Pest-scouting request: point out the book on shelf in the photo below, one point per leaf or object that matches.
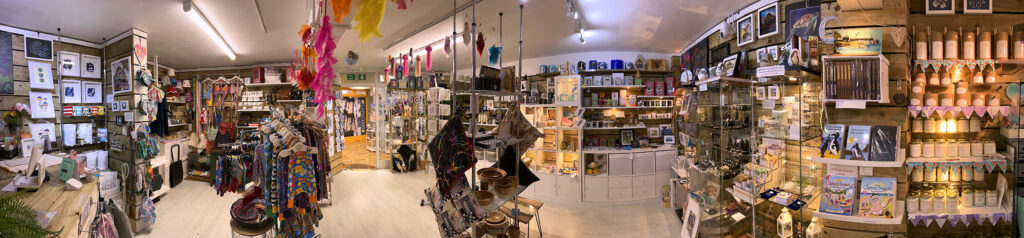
(832, 141)
(858, 143)
(884, 143)
(877, 196)
(838, 195)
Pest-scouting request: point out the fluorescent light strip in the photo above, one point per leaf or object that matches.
(205, 25)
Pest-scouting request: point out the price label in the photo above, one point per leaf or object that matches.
(768, 104)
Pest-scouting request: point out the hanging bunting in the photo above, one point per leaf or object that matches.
(480, 43)
(972, 218)
(955, 219)
(324, 80)
(368, 19)
(428, 49)
(495, 52)
(341, 9)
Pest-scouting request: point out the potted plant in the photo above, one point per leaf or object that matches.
(13, 118)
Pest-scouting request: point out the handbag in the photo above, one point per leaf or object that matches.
(177, 169)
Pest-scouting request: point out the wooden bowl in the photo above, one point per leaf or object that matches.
(495, 223)
(506, 186)
(490, 173)
(484, 197)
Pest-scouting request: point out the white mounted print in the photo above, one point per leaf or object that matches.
(92, 92)
(90, 66)
(41, 104)
(71, 91)
(40, 75)
(978, 6)
(39, 130)
(69, 64)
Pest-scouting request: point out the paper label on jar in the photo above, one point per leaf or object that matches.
(951, 49)
(985, 50)
(922, 50)
(1018, 49)
(915, 102)
(1001, 48)
(931, 102)
(936, 50)
(968, 50)
(921, 89)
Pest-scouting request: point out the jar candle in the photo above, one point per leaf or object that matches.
(979, 173)
(926, 201)
(952, 43)
(990, 77)
(951, 201)
(990, 147)
(945, 79)
(966, 173)
(939, 200)
(933, 79)
(916, 175)
(1003, 45)
(951, 127)
(979, 197)
(993, 100)
(929, 174)
(946, 100)
(928, 148)
(921, 45)
(930, 125)
(967, 197)
(917, 125)
(1018, 45)
(977, 148)
(920, 77)
(942, 174)
(931, 100)
(937, 45)
(968, 44)
(915, 148)
(941, 124)
(913, 201)
(952, 148)
(991, 198)
(961, 89)
(963, 125)
(978, 78)
(965, 148)
(917, 93)
(985, 45)
(954, 173)
(977, 99)
(975, 124)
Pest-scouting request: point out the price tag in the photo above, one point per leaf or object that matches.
(794, 132)
(768, 104)
(702, 87)
(867, 171)
(851, 104)
(841, 170)
(771, 71)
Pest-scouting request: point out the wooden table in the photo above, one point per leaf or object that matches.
(528, 208)
(67, 204)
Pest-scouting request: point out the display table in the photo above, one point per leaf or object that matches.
(528, 208)
(67, 204)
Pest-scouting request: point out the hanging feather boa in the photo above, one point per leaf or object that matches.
(428, 57)
(341, 9)
(368, 19)
(405, 65)
(321, 85)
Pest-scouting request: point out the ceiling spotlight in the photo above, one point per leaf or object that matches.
(575, 15)
(583, 41)
(197, 16)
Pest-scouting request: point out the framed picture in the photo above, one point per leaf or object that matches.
(978, 6)
(729, 65)
(860, 41)
(745, 30)
(121, 75)
(669, 140)
(626, 137)
(92, 92)
(41, 104)
(759, 93)
(768, 20)
(39, 130)
(69, 64)
(691, 219)
(807, 19)
(653, 132)
(26, 146)
(666, 129)
(38, 49)
(939, 7)
(124, 105)
(40, 75)
(90, 66)
(773, 92)
(71, 91)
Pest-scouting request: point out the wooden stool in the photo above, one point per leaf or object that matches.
(238, 231)
(528, 209)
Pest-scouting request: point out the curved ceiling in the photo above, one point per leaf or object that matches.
(661, 26)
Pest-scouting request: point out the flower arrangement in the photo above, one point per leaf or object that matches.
(19, 110)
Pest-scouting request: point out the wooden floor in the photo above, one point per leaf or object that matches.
(354, 156)
(378, 203)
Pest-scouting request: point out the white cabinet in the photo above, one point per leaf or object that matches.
(620, 194)
(569, 188)
(643, 163)
(620, 182)
(665, 160)
(643, 187)
(595, 189)
(620, 164)
(547, 186)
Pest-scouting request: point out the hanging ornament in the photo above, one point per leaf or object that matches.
(341, 9)
(391, 60)
(352, 58)
(321, 85)
(466, 37)
(368, 19)
(480, 43)
(417, 66)
(405, 65)
(447, 46)
(401, 4)
(428, 49)
(495, 52)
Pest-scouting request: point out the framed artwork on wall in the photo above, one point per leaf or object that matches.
(745, 30)
(717, 54)
(121, 75)
(768, 20)
(773, 92)
(92, 92)
(978, 6)
(939, 7)
(40, 75)
(6, 63)
(39, 130)
(90, 66)
(759, 93)
(69, 64)
(653, 132)
(41, 104)
(38, 49)
(71, 91)
(626, 137)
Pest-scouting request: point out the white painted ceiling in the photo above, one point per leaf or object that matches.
(663, 26)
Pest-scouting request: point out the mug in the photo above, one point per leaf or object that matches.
(543, 68)
(581, 66)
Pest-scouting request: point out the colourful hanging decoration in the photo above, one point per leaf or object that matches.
(405, 65)
(368, 19)
(341, 9)
(321, 85)
(480, 43)
(428, 49)
(495, 52)
(466, 37)
(400, 4)
(417, 66)
(447, 46)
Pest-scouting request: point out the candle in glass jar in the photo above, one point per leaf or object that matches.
(930, 125)
(926, 201)
(952, 43)
(979, 173)
(964, 149)
(977, 148)
(1003, 45)
(990, 77)
(990, 147)
(962, 125)
(917, 174)
(952, 148)
(954, 173)
(951, 126)
(978, 78)
(945, 79)
(951, 200)
(921, 45)
(967, 197)
(942, 174)
(939, 201)
(979, 197)
(961, 88)
(937, 45)
(933, 79)
(929, 173)
(977, 99)
(941, 148)
(985, 45)
(915, 148)
(1018, 45)
(946, 100)
(975, 124)
(917, 125)
(963, 100)
(917, 93)
(992, 99)
(966, 173)
(968, 48)
(931, 99)
(940, 127)
(991, 198)
(928, 148)
(913, 201)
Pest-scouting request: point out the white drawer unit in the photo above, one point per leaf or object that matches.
(547, 186)
(595, 189)
(569, 189)
(620, 194)
(620, 182)
(643, 187)
(620, 165)
(665, 160)
(643, 163)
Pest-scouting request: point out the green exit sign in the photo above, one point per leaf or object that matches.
(353, 77)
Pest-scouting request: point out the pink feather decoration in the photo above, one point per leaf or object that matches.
(428, 57)
(405, 65)
(321, 86)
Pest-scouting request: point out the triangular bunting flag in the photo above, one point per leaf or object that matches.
(954, 219)
(999, 217)
(913, 112)
(971, 218)
(915, 220)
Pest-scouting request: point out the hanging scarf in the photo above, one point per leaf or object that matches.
(428, 56)
(368, 19)
(480, 43)
(321, 85)
(495, 52)
(447, 46)
(341, 9)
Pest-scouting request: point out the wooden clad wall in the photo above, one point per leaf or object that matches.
(113, 52)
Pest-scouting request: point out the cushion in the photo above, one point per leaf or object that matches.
(509, 161)
(457, 211)
(452, 154)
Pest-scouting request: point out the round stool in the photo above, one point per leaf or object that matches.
(237, 230)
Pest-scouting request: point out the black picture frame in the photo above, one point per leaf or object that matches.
(38, 49)
(718, 54)
(626, 137)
